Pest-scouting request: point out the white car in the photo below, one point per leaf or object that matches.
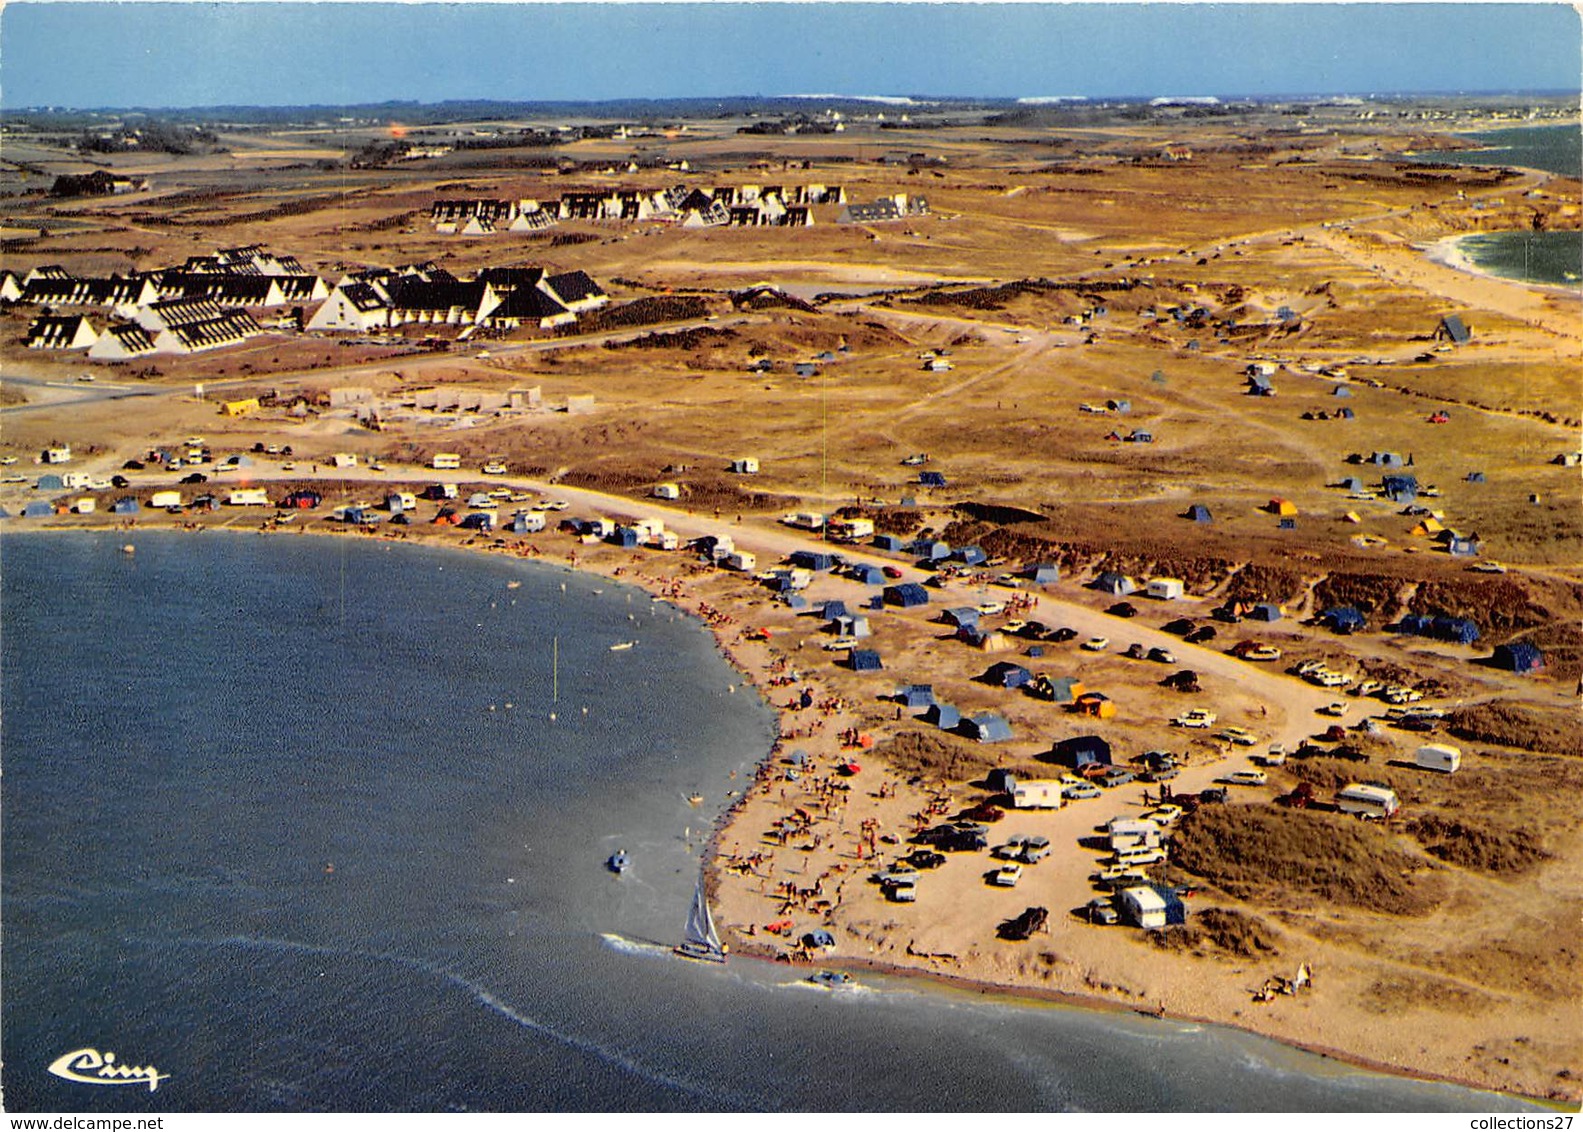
(494, 468)
(1237, 735)
(1490, 567)
(1247, 778)
(1337, 709)
(1309, 666)
(1196, 717)
(1275, 756)
(1080, 791)
(839, 643)
(1097, 644)
(1008, 875)
(1165, 814)
(989, 608)
(1329, 679)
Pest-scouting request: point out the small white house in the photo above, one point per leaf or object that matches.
(1037, 796)
(527, 522)
(87, 505)
(741, 560)
(1133, 833)
(59, 455)
(851, 530)
(344, 460)
(1165, 589)
(1439, 756)
(746, 466)
(1367, 801)
(446, 461)
(667, 491)
(399, 501)
(165, 499)
(664, 540)
(805, 520)
(1141, 906)
(73, 480)
(248, 497)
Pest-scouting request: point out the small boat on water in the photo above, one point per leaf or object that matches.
(832, 980)
(699, 938)
(622, 646)
(619, 862)
(513, 585)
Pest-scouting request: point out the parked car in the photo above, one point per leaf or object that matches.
(194, 477)
(1162, 656)
(1062, 635)
(1164, 814)
(1163, 774)
(1097, 644)
(1081, 791)
(984, 812)
(1200, 635)
(990, 608)
(1134, 651)
(1240, 736)
(1196, 717)
(1123, 609)
(1247, 778)
(1275, 756)
(1116, 776)
(925, 859)
(1336, 708)
(1102, 911)
(494, 468)
(890, 572)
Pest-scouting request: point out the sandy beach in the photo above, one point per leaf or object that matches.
(800, 843)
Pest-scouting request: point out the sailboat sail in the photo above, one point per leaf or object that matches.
(700, 940)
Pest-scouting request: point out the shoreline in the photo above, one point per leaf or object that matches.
(1447, 252)
(728, 628)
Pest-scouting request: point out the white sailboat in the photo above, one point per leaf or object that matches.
(700, 940)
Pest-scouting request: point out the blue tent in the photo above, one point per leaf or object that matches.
(1475, 477)
(1287, 524)
(1352, 484)
(1000, 780)
(864, 660)
(1036, 651)
(1341, 391)
(1198, 513)
(1342, 619)
(819, 937)
(1175, 911)
(1260, 386)
(1265, 611)
(4, 514)
(1452, 327)
(962, 617)
(1082, 750)
(1119, 406)
(1007, 675)
(943, 716)
(624, 537)
(38, 509)
(1462, 547)
(49, 481)
(931, 479)
(794, 601)
(1385, 459)
(890, 542)
(126, 505)
(1458, 630)
(477, 521)
(988, 728)
(1518, 656)
(1117, 585)
(868, 575)
(916, 695)
(830, 610)
(1044, 573)
(813, 560)
(852, 626)
(930, 548)
(1400, 489)
(1345, 414)
(970, 555)
(906, 595)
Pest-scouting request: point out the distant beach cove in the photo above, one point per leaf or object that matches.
(1552, 259)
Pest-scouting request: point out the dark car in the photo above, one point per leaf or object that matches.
(1180, 627)
(1062, 634)
(1201, 634)
(964, 841)
(194, 477)
(1116, 776)
(984, 812)
(925, 859)
(132, 466)
(1161, 656)
(119, 481)
(1134, 652)
(1123, 609)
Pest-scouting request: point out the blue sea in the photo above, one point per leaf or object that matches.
(289, 819)
(1555, 258)
(1555, 149)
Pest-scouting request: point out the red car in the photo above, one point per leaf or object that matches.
(891, 572)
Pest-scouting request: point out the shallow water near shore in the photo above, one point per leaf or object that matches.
(263, 831)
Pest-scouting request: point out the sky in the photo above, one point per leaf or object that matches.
(130, 53)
